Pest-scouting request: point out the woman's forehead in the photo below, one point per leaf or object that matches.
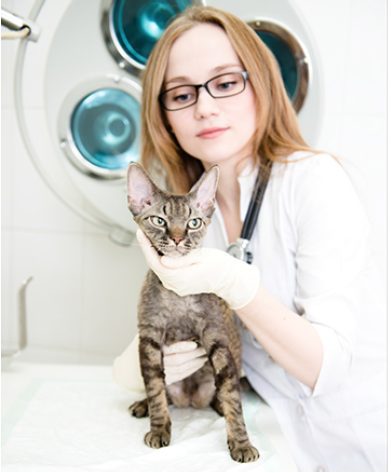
(204, 49)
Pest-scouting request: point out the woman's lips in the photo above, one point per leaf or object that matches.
(209, 133)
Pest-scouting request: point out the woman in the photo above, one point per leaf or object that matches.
(312, 337)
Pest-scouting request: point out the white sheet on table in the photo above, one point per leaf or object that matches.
(84, 426)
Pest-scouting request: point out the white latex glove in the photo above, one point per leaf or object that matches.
(204, 270)
(180, 360)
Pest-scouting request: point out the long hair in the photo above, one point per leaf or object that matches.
(277, 134)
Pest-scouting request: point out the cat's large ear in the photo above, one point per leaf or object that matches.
(141, 190)
(204, 190)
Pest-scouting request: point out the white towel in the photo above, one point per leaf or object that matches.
(126, 369)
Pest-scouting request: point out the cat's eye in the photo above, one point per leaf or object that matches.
(194, 223)
(157, 221)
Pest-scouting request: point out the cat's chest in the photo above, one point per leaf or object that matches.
(181, 317)
(179, 307)
(184, 317)
(168, 302)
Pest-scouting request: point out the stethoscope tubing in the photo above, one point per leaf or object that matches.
(255, 204)
(239, 249)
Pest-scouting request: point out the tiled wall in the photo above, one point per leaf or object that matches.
(85, 288)
(83, 297)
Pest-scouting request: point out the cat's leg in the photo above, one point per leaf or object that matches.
(151, 362)
(216, 405)
(228, 397)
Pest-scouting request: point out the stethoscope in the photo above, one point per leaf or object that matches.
(240, 249)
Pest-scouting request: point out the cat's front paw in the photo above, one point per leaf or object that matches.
(243, 454)
(139, 408)
(157, 439)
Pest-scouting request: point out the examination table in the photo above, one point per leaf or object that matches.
(70, 417)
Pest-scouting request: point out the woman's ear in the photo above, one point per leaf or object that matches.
(142, 191)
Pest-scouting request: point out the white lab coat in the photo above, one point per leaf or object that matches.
(311, 245)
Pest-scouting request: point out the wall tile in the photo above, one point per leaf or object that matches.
(363, 143)
(366, 59)
(54, 296)
(112, 279)
(9, 333)
(35, 206)
(36, 57)
(8, 51)
(329, 138)
(7, 167)
(330, 34)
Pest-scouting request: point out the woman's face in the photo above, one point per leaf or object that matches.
(213, 130)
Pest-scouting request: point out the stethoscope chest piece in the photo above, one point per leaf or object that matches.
(239, 250)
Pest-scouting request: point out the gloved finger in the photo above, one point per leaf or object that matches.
(172, 375)
(179, 347)
(151, 255)
(191, 366)
(193, 257)
(178, 359)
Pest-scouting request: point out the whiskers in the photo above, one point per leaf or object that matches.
(162, 247)
(171, 248)
(166, 246)
(188, 246)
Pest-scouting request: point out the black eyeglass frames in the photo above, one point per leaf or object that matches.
(219, 87)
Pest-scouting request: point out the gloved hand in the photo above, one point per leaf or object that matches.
(204, 270)
(180, 360)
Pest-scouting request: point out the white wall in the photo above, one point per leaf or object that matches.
(83, 296)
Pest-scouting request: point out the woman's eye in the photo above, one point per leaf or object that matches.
(158, 221)
(194, 223)
(183, 98)
(226, 85)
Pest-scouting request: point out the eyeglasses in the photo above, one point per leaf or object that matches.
(218, 87)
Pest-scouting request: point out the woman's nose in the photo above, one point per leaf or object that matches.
(206, 105)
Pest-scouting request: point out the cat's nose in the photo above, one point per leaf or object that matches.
(177, 238)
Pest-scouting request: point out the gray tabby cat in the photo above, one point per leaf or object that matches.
(175, 225)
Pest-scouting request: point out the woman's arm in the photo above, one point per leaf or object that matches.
(290, 340)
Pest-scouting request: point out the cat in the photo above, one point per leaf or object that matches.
(175, 225)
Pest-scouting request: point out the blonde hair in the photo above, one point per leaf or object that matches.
(277, 134)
